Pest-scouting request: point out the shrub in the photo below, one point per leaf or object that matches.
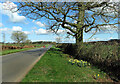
(104, 55)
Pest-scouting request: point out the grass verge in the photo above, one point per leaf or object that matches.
(54, 67)
(9, 51)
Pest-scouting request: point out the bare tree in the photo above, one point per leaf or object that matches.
(19, 36)
(73, 16)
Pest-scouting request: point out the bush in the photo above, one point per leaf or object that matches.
(68, 48)
(104, 55)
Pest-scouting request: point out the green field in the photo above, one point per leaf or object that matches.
(55, 67)
(8, 51)
(14, 51)
(23, 44)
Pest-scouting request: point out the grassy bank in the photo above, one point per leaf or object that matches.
(54, 66)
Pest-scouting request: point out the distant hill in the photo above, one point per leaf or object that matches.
(45, 42)
(111, 41)
(117, 40)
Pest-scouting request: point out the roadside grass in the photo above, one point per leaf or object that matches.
(14, 51)
(54, 67)
(23, 44)
(9, 51)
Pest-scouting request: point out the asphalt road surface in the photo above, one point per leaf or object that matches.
(14, 65)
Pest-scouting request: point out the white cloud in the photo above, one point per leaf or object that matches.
(14, 28)
(33, 21)
(111, 38)
(34, 28)
(16, 18)
(17, 28)
(61, 31)
(32, 31)
(26, 32)
(40, 24)
(66, 25)
(44, 31)
(8, 9)
(41, 31)
(1, 25)
(105, 29)
(109, 10)
(4, 29)
(109, 29)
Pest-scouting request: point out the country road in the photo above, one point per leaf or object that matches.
(15, 65)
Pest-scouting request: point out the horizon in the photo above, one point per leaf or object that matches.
(67, 42)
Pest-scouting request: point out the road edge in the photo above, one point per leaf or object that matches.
(29, 68)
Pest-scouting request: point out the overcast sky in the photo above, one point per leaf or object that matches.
(36, 30)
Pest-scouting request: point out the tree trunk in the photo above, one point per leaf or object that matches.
(79, 44)
(79, 35)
